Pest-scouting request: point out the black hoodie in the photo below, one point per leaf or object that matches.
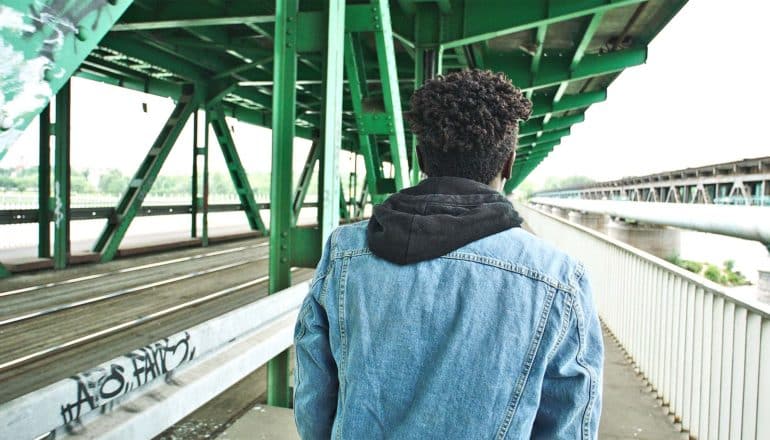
(436, 217)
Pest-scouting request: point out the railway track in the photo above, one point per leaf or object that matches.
(52, 330)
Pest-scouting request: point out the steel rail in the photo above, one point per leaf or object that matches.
(123, 292)
(129, 324)
(131, 269)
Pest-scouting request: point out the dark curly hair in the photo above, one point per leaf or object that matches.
(466, 123)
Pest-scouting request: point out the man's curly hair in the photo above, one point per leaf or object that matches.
(466, 123)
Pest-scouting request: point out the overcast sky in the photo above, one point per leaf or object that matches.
(701, 98)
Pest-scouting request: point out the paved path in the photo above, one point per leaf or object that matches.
(630, 411)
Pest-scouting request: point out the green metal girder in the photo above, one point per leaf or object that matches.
(61, 214)
(304, 180)
(115, 229)
(331, 133)
(306, 246)
(527, 142)
(284, 115)
(44, 185)
(56, 48)
(479, 21)
(4, 273)
(533, 126)
(357, 85)
(553, 72)
(175, 14)
(386, 55)
(544, 106)
(235, 168)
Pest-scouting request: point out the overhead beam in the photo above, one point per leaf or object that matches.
(494, 18)
(531, 126)
(544, 106)
(166, 15)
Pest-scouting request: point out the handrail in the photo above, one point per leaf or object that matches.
(703, 350)
(163, 381)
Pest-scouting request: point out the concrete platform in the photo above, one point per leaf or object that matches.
(630, 410)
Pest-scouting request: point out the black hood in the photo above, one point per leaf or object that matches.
(436, 217)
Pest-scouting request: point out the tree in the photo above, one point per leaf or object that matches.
(112, 182)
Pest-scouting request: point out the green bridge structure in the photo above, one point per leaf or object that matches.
(340, 74)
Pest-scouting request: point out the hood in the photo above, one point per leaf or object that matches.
(436, 217)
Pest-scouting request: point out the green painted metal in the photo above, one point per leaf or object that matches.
(204, 199)
(482, 21)
(331, 133)
(46, 41)
(383, 35)
(235, 168)
(4, 272)
(184, 14)
(355, 72)
(194, 204)
(284, 114)
(545, 105)
(304, 181)
(306, 246)
(44, 185)
(61, 215)
(533, 126)
(145, 176)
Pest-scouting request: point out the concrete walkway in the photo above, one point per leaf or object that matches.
(630, 411)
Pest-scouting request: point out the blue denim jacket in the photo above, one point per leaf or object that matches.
(497, 339)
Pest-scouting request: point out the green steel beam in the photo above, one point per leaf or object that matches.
(331, 132)
(480, 21)
(532, 126)
(544, 106)
(46, 58)
(538, 55)
(577, 57)
(61, 239)
(194, 190)
(4, 273)
(386, 55)
(357, 84)
(235, 168)
(284, 115)
(304, 181)
(44, 185)
(183, 14)
(554, 73)
(145, 176)
(530, 140)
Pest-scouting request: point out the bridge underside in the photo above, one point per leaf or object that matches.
(339, 73)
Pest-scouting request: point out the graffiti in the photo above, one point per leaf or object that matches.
(99, 386)
(30, 42)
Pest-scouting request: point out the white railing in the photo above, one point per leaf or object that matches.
(703, 350)
(140, 394)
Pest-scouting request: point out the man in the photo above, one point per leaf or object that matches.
(441, 317)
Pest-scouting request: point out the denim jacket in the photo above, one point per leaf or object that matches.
(496, 339)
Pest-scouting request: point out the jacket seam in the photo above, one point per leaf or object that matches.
(592, 384)
(565, 320)
(488, 261)
(343, 340)
(529, 362)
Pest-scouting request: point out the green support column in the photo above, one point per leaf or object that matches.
(61, 244)
(304, 182)
(44, 186)
(332, 117)
(355, 72)
(284, 115)
(427, 35)
(145, 176)
(386, 55)
(194, 181)
(235, 168)
(204, 200)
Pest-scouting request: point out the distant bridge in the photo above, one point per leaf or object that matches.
(744, 182)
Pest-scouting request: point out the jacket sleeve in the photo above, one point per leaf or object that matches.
(315, 371)
(570, 403)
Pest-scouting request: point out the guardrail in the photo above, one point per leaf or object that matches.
(705, 352)
(140, 394)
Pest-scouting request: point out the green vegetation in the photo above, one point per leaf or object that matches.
(726, 275)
